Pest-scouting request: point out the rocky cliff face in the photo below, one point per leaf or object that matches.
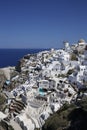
(2, 79)
(20, 64)
(6, 74)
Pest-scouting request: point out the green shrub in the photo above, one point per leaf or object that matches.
(74, 57)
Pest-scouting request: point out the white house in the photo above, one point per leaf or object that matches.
(43, 84)
(63, 55)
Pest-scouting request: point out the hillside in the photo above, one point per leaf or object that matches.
(69, 117)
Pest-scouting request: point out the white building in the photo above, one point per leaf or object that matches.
(43, 84)
(67, 46)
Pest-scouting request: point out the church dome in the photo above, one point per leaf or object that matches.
(81, 41)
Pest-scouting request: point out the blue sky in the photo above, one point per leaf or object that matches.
(42, 23)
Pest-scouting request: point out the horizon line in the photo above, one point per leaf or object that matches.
(29, 48)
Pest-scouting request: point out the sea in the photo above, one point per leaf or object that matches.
(10, 57)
